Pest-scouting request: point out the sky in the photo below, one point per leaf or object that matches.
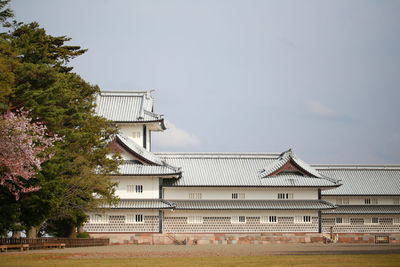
(320, 77)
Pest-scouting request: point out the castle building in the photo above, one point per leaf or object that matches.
(236, 197)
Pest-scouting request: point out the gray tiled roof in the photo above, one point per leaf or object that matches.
(289, 180)
(132, 168)
(250, 204)
(140, 204)
(139, 150)
(232, 169)
(363, 180)
(126, 106)
(365, 209)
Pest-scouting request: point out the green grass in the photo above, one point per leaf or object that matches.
(279, 260)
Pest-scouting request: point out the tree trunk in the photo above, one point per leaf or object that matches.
(16, 234)
(32, 232)
(73, 233)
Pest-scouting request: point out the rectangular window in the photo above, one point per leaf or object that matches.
(238, 195)
(238, 219)
(342, 221)
(345, 201)
(134, 218)
(396, 220)
(138, 218)
(285, 195)
(367, 201)
(139, 188)
(130, 188)
(302, 219)
(268, 219)
(374, 201)
(136, 135)
(195, 196)
(370, 220)
(396, 201)
(195, 219)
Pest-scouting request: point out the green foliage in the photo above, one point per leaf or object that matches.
(35, 74)
(83, 235)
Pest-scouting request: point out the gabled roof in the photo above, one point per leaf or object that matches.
(138, 151)
(288, 157)
(234, 170)
(127, 107)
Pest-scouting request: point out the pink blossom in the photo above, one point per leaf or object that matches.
(23, 147)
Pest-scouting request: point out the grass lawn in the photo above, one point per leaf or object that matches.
(279, 260)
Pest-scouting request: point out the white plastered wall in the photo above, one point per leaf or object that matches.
(360, 200)
(150, 186)
(250, 193)
(248, 213)
(131, 130)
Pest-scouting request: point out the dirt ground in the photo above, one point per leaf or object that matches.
(128, 251)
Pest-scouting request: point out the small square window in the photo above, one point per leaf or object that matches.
(307, 219)
(234, 195)
(339, 220)
(375, 220)
(367, 201)
(242, 219)
(139, 188)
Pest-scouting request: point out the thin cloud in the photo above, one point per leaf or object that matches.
(175, 137)
(320, 110)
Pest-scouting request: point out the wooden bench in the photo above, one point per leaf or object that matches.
(54, 245)
(4, 248)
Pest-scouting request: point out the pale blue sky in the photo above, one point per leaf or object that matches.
(321, 77)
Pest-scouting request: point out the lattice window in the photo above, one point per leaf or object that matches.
(238, 219)
(342, 221)
(136, 134)
(396, 201)
(371, 201)
(138, 218)
(302, 219)
(195, 196)
(373, 220)
(134, 218)
(139, 188)
(268, 219)
(344, 201)
(396, 220)
(98, 218)
(195, 219)
(285, 195)
(130, 188)
(238, 195)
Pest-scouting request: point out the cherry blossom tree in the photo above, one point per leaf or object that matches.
(23, 148)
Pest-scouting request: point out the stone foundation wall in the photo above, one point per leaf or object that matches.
(394, 238)
(205, 239)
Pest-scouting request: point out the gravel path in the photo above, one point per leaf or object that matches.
(127, 251)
